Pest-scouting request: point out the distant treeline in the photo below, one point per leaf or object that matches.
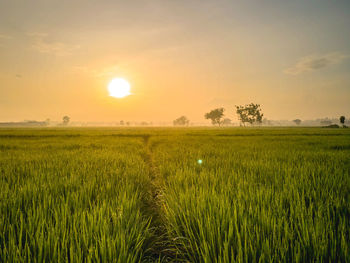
(24, 124)
(181, 121)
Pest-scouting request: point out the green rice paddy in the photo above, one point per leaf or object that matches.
(175, 195)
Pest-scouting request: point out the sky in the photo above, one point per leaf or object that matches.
(182, 57)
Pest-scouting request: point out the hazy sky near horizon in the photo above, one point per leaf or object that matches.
(181, 57)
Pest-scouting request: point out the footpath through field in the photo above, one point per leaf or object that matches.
(163, 248)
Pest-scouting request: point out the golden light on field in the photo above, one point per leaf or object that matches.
(119, 88)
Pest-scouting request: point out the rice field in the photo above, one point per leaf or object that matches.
(175, 195)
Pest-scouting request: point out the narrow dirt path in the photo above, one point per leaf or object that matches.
(162, 250)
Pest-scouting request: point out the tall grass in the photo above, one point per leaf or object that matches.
(259, 195)
(74, 199)
(255, 198)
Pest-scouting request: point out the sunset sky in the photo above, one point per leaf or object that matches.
(181, 57)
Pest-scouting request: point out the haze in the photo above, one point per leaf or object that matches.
(181, 58)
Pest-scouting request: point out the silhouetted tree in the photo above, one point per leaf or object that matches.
(215, 116)
(66, 120)
(121, 122)
(250, 113)
(181, 121)
(297, 121)
(342, 120)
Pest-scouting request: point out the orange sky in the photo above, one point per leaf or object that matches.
(180, 57)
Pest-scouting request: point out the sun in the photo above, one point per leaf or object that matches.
(119, 88)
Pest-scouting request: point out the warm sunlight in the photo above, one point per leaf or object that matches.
(119, 88)
(148, 106)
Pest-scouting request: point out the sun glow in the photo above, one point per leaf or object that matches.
(119, 88)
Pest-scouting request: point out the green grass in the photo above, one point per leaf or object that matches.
(139, 195)
(72, 198)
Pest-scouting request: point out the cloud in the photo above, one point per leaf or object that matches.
(313, 62)
(42, 43)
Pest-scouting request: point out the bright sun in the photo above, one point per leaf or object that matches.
(119, 88)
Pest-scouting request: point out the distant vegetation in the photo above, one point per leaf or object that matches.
(181, 121)
(297, 121)
(250, 113)
(29, 123)
(66, 120)
(216, 116)
(332, 126)
(342, 121)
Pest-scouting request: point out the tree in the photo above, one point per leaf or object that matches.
(66, 120)
(250, 113)
(215, 116)
(121, 123)
(297, 121)
(181, 121)
(342, 120)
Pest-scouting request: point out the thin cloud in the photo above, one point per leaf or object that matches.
(42, 43)
(313, 63)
